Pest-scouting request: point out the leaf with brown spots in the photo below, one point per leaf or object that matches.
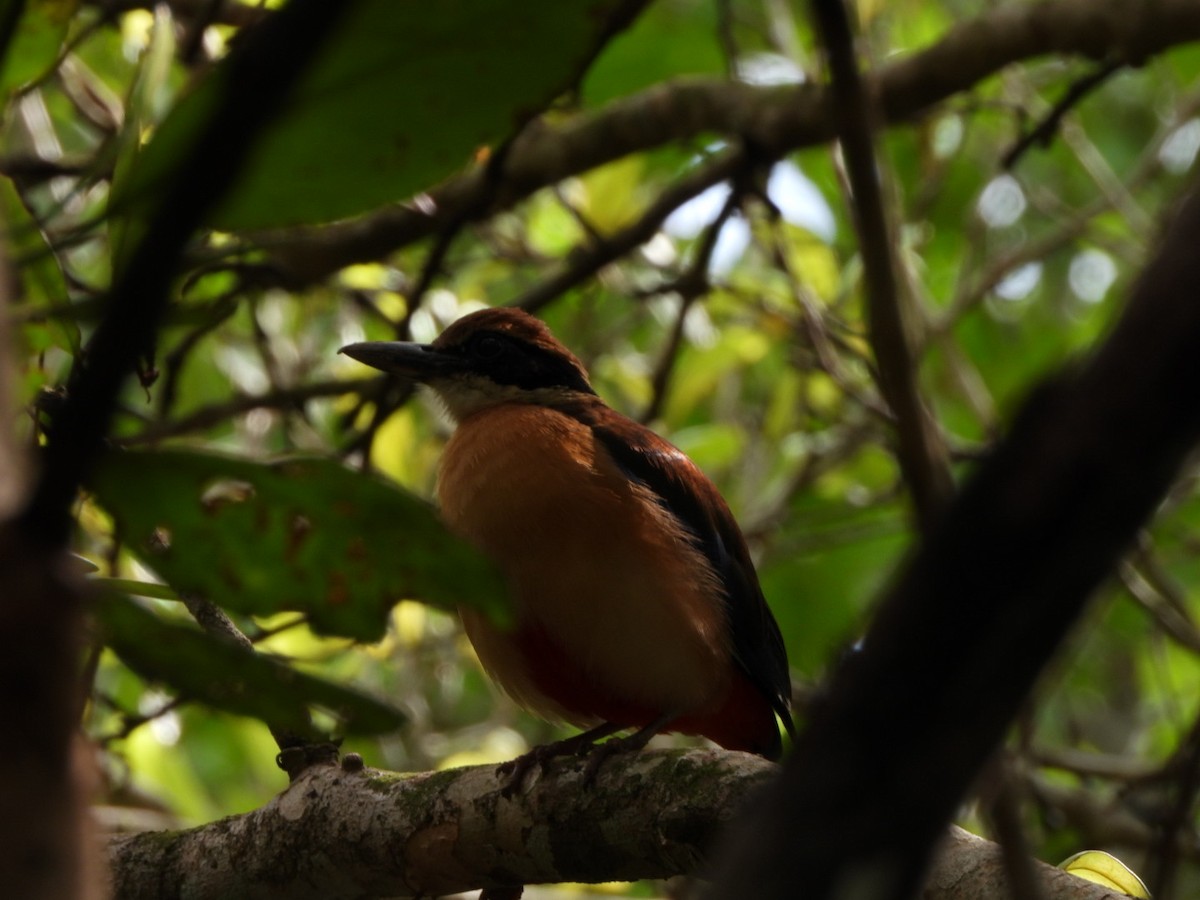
(306, 534)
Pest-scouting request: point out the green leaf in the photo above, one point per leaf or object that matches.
(304, 534)
(451, 77)
(35, 44)
(224, 675)
(671, 39)
(41, 278)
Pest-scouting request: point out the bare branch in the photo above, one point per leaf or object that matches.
(216, 622)
(970, 868)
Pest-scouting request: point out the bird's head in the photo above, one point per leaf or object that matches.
(493, 356)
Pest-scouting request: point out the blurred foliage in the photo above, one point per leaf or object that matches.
(764, 377)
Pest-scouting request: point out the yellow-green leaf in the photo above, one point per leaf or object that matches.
(1105, 869)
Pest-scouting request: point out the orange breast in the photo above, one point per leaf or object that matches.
(619, 618)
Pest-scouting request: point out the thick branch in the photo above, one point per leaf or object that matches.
(335, 834)
(774, 119)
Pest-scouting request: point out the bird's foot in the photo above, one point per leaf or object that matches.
(517, 770)
(601, 752)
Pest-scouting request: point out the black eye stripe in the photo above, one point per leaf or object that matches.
(506, 360)
(487, 346)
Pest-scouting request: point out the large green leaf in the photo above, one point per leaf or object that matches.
(305, 534)
(673, 38)
(402, 96)
(36, 41)
(224, 675)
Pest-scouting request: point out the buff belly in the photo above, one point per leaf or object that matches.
(618, 616)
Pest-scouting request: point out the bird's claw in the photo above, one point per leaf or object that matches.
(517, 770)
(599, 753)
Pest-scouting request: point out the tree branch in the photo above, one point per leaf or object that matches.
(337, 834)
(775, 119)
(967, 867)
(341, 834)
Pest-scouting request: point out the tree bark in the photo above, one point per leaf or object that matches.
(348, 835)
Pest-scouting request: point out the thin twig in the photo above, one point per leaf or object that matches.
(812, 324)
(1092, 765)
(1045, 130)
(587, 261)
(725, 36)
(215, 414)
(1003, 814)
(1175, 624)
(585, 224)
(660, 382)
(689, 286)
(387, 394)
(221, 309)
(977, 282)
(922, 457)
(434, 263)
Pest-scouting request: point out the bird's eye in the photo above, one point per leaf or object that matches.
(487, 347)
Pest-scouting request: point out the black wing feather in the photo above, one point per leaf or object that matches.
(659, 465)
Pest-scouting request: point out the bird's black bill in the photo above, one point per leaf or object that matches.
(417, 361)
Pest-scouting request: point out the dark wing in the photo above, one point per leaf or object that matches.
(687, 493)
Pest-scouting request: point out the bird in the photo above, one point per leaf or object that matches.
(636, 604)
